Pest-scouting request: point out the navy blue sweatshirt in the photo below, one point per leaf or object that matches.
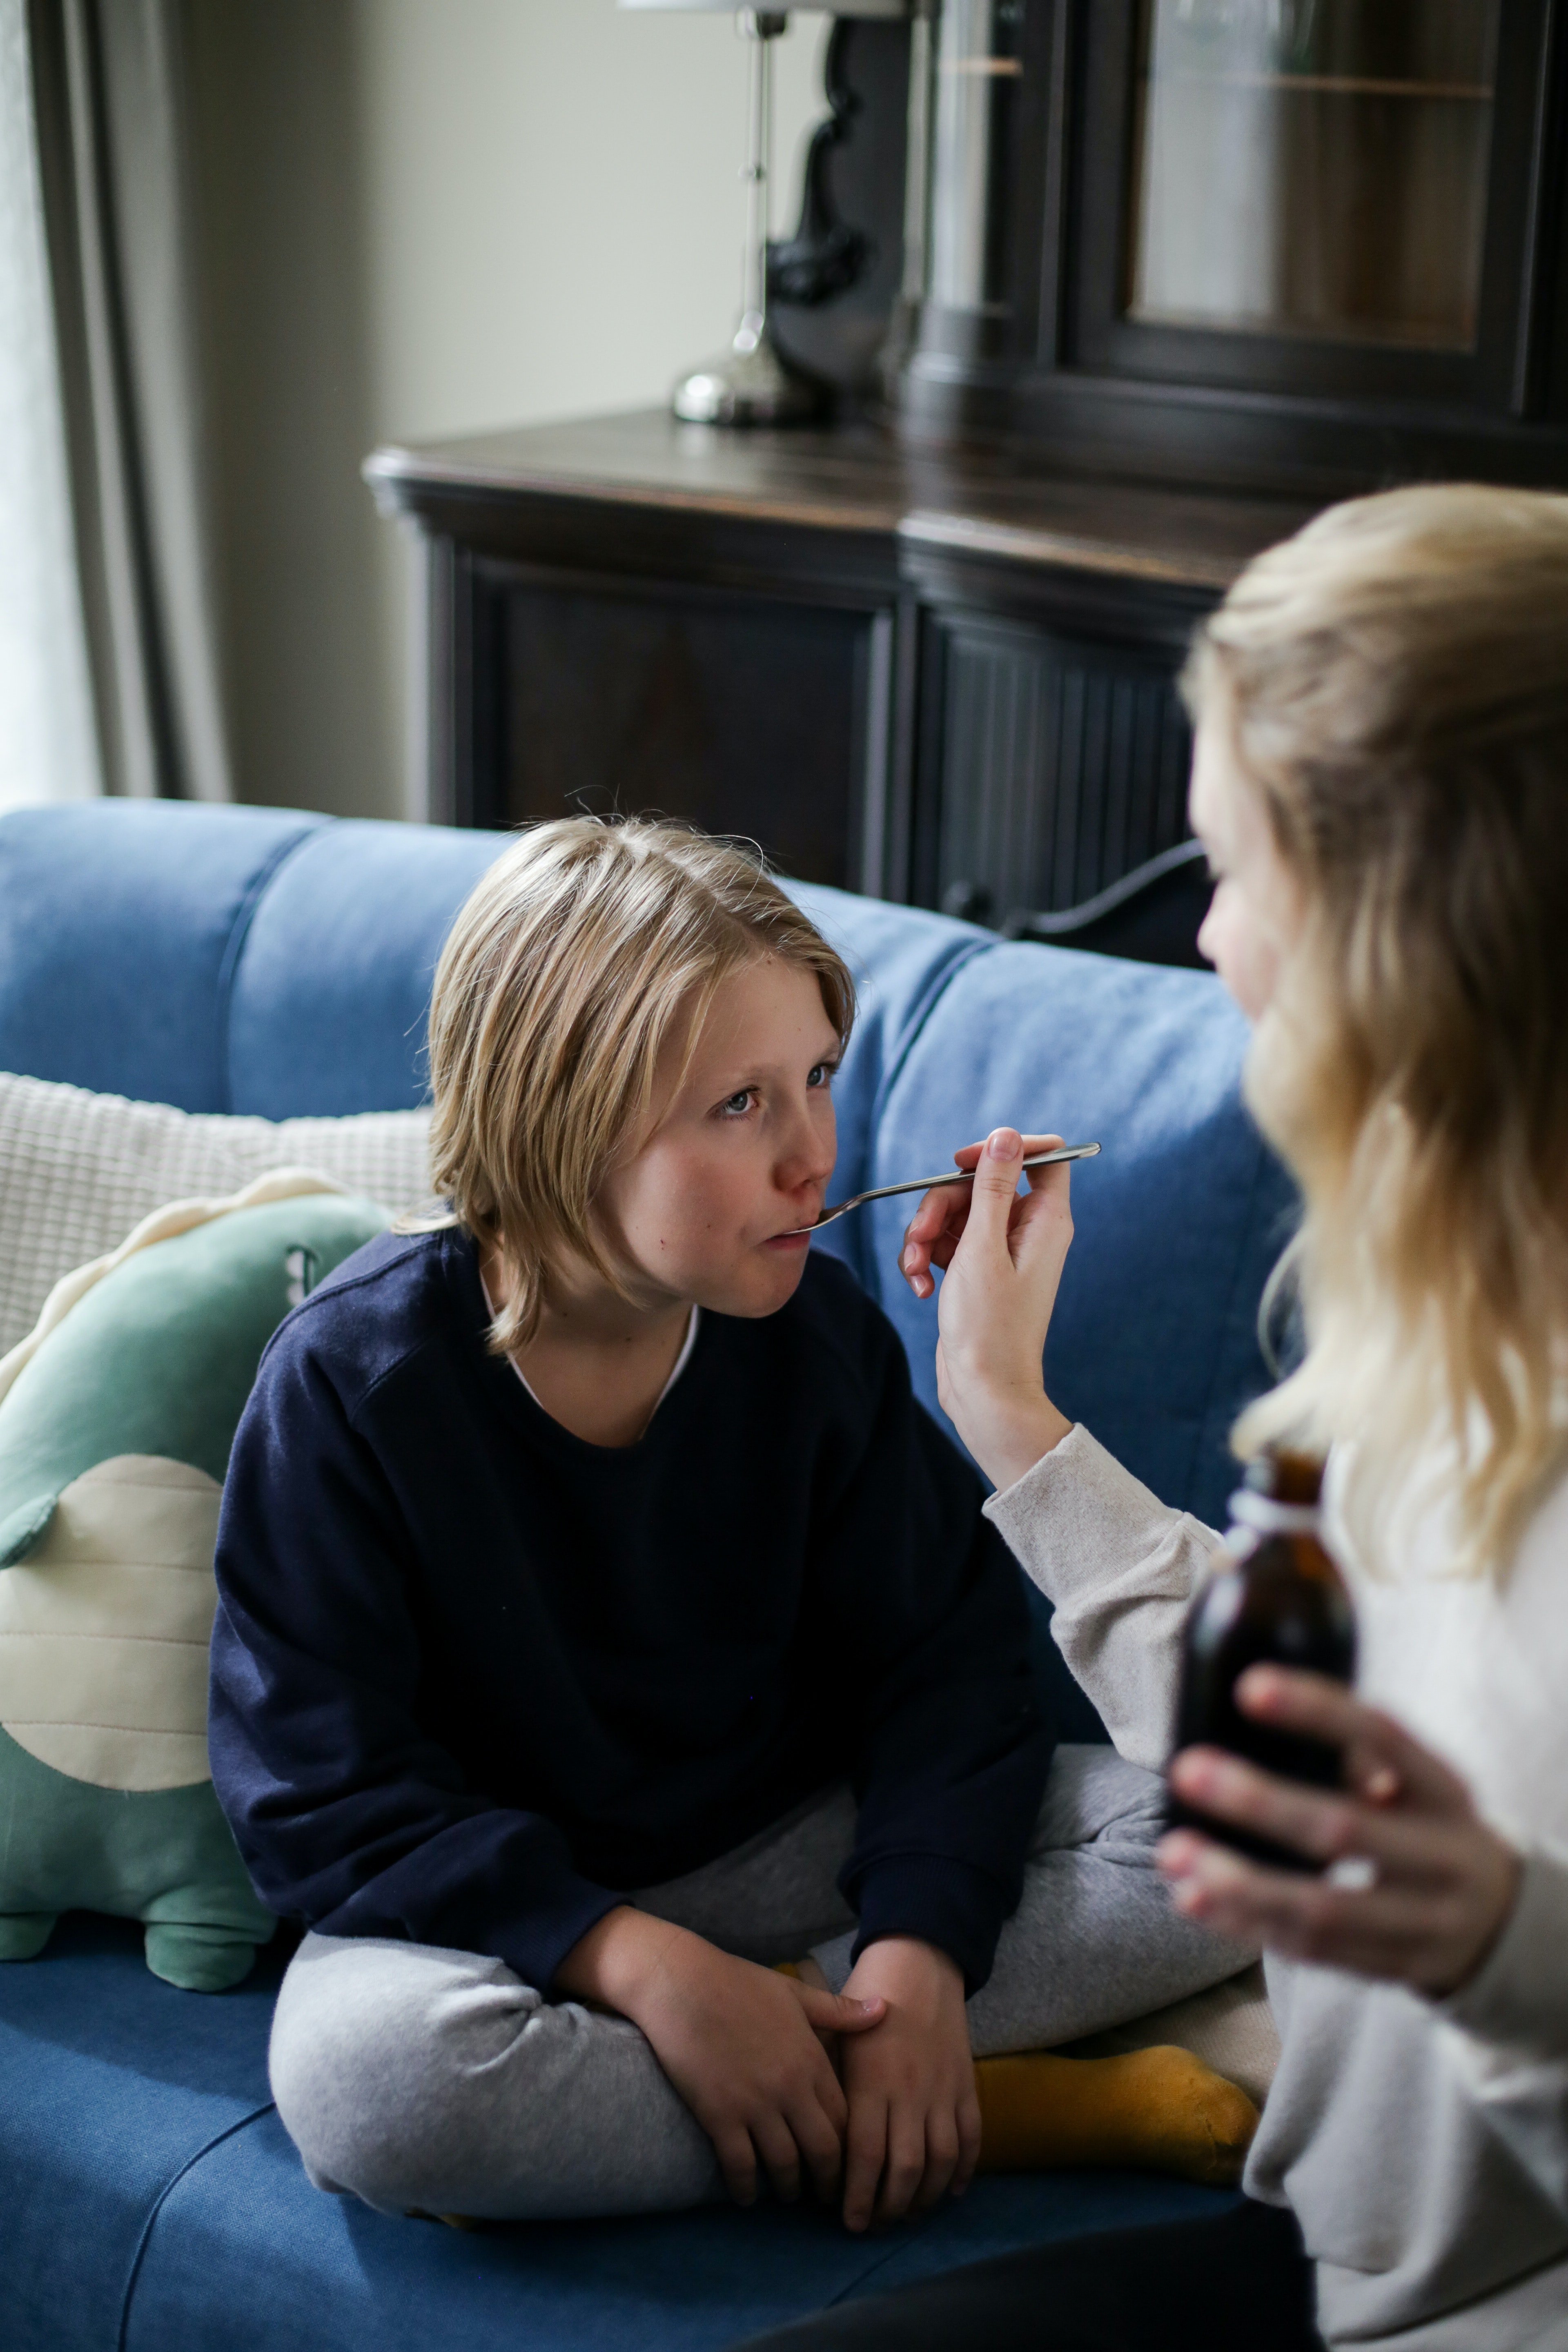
(474, 1678)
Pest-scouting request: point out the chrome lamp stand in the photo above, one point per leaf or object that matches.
(750, 384)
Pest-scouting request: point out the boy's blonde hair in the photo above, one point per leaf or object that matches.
(1394, 683)
(588, 945)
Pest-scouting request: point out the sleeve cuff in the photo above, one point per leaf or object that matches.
(1079, 1516)
(943, 1901)
(1518, 1999)
(534, 1946)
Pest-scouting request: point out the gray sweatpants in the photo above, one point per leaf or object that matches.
(422, 2079)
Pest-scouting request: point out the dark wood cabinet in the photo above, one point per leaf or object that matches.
(1053, 749)
(1301, 245)
(930, 680)
(744, 712)
(1112, 294)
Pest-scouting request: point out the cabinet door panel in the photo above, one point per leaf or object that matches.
(742, 714)
(1054, 767)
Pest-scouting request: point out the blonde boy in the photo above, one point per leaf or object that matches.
(601, 1622)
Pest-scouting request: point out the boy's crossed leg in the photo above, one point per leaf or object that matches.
(424, 2079)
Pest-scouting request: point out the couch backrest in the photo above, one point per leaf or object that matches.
(258, 960)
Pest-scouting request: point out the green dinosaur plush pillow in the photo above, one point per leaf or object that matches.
(116, 1419)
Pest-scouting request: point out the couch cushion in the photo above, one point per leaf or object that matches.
(78, 1170)
(110, 2084)
(147, 2110)
(236, 960)
(1154, 1343)
(332, 987)
(121, 923)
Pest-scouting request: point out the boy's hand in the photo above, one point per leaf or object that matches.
(914, 2120)
(740, 2043)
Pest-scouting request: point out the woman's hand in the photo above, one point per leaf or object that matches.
(741, 2045)
(1002, 1257)
(1440, 1885)
(914, 2119)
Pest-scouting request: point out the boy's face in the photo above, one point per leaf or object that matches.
(741, 1153)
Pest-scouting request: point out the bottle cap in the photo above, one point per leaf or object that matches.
(1260, 1515)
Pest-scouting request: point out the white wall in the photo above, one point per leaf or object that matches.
(555, 216)
(427, 218)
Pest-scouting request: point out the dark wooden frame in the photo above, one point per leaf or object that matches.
(1497, 376)
(1092, 392)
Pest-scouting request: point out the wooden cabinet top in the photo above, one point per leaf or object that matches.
(839, 479)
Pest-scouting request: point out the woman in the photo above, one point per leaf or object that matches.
(1380, 780)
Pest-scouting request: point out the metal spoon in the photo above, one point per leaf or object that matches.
(954, 1176)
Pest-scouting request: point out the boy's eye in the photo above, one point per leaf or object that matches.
(821, 1074)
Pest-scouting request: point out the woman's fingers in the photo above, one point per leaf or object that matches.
(1376, 1746)
(931, 1235)
(1436, 1883)
(938, 1225)
(1432, 1940)
(1325, 1826)
(1370, 1930)
(1320, 1826)
(994, 1193)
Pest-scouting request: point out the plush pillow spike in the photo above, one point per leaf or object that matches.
(116, 1414)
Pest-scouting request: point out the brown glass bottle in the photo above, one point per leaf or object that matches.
(1275, 1596)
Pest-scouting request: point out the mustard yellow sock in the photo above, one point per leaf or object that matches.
(1158, 2110)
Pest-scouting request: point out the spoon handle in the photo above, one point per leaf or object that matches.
(951, 1176)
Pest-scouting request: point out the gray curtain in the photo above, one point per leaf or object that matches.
(109, 84)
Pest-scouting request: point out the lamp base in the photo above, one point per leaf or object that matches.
(749, 386)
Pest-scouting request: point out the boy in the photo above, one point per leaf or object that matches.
(576, 1553)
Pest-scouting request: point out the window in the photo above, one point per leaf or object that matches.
(48, 742)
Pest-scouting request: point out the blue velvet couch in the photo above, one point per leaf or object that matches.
(259, 961)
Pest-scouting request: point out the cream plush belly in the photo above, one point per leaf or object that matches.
(104, 1628)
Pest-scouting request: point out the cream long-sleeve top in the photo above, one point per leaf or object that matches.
(1423, 2146)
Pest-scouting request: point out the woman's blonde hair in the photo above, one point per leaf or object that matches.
(1394, 683)
(588, 945)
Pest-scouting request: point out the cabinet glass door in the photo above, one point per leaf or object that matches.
(979, 81)
(1313, 168)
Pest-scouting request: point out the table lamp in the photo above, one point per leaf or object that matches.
(749, 383)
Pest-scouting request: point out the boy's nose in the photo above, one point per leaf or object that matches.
(811, 1163)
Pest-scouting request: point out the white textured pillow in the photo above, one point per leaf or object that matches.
(78, 1171)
